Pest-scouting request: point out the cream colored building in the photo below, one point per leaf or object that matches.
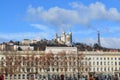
(26, 42)
(2, 47)
(34, 41)
(104, 62)
(56, 50)
(97, 62)
(24, 47)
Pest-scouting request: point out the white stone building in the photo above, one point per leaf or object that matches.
(26, 42)
(56, 50)
(23, 47)
(96, 62)
(104, 62)
(64, 38)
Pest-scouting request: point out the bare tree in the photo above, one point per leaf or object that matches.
(15, 63)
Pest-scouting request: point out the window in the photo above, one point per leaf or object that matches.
(119, 58)
(57, 69)
(97, 69)
(14, 76)
(115, 63)
(74, 63)
(69, 69)
(111, 58)
(104, 58)
(108, 69)
(36, 76)
(85, 63)
(89, 69)
(6, 76)
(93, 69)
(104, 63)
(28, 69)
(111, 63)
(104, 69)
(40, 69)
(23, 76)
(32, 70)
(69, 63)
(89, 58)
(97, 58)
(23, 69)
(57, 63)
(74, 69)
(2, 58)
(40, 76)
(86, 69)
(61, 69)
(44, 76)
(10, 76)
(112, 69)
(97, 63)
(2, 63)
(19, 76)
(27, 76)
(23, 63)
(48, 69)
(89, 63)
(52, 69)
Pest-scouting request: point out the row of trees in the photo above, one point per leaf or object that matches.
(44, 63)
(41, 45)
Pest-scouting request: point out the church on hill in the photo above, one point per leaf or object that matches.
(64, 38)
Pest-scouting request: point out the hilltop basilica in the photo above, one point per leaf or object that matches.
(64, 38)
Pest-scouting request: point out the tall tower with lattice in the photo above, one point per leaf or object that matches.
(99, 39)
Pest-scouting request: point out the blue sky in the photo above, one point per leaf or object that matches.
(38, 19)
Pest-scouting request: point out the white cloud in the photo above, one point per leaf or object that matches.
(40, 26)
(105, 42)
(112, 29)
(80, 14)
(55, 16)
(84, 32)
(45, 32)
(3, 40)
(97, 11)
(111, 42)
(28, 35)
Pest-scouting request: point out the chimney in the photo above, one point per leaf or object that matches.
(99, 38)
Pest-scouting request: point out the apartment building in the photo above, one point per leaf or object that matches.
(57, 61)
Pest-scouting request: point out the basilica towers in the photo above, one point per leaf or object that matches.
(64, 38)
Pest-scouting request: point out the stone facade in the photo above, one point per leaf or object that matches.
(55, 61)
